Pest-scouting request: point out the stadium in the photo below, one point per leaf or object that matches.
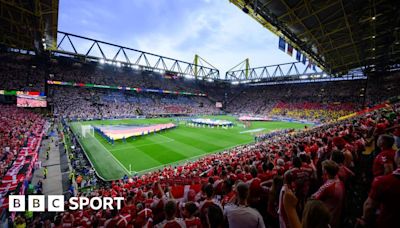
(160, 140)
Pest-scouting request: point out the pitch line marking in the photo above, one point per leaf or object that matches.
(126, 170)
(189, 159)
(252, 131)
(166, 137)
(146, 144)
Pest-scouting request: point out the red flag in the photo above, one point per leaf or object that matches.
(290, 50)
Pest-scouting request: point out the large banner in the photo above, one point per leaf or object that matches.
(364, 111)
(29, 101)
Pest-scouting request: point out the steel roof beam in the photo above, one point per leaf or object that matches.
(141, 61)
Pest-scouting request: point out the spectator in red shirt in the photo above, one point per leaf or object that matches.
(344, 173)
(331, 193)
(129, 207)
(268, 172)
(191, 220)
(228, 193)
(209, 191)
(280, 166)
(144, 216)
(384, 195)
(112, 222)
(124, 220)
(68, 219)
(340, 144)
(300, 183)
(384, 161)
(254, 188)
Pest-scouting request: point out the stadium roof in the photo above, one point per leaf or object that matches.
(24, 23)
(338, 35)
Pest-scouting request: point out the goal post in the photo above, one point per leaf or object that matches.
(87, 130)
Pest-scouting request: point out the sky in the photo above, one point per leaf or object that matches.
(217, 30)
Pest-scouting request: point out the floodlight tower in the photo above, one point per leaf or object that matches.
(199, 61)
(244, 65)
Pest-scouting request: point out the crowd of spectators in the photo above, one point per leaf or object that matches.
(313, 111)
(20, 73)
(380, 88)
(16, 126)
(313, 101)
(305, 101)
(105, 74)
(21, 133)
(318, 177)
(96, 103)
(25, 72)
(73, 103)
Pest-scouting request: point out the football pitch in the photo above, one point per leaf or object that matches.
(169, 147)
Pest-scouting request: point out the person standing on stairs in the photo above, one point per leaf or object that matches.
(45, 171)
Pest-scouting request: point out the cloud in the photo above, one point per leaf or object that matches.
(220, 33)
(216, 30)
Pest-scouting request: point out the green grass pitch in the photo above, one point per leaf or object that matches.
(172, 146)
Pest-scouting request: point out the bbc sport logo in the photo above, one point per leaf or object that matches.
(56, 203)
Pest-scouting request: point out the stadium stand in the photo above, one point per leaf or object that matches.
(97, 104)
(313, 100)
(20, 72)
(342, 172)
(21, 133)
(319, 100)
(301, 160)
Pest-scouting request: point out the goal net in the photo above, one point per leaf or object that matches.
(87, 130)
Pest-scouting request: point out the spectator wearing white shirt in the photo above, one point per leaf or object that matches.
(170, 219)
(240, 215)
